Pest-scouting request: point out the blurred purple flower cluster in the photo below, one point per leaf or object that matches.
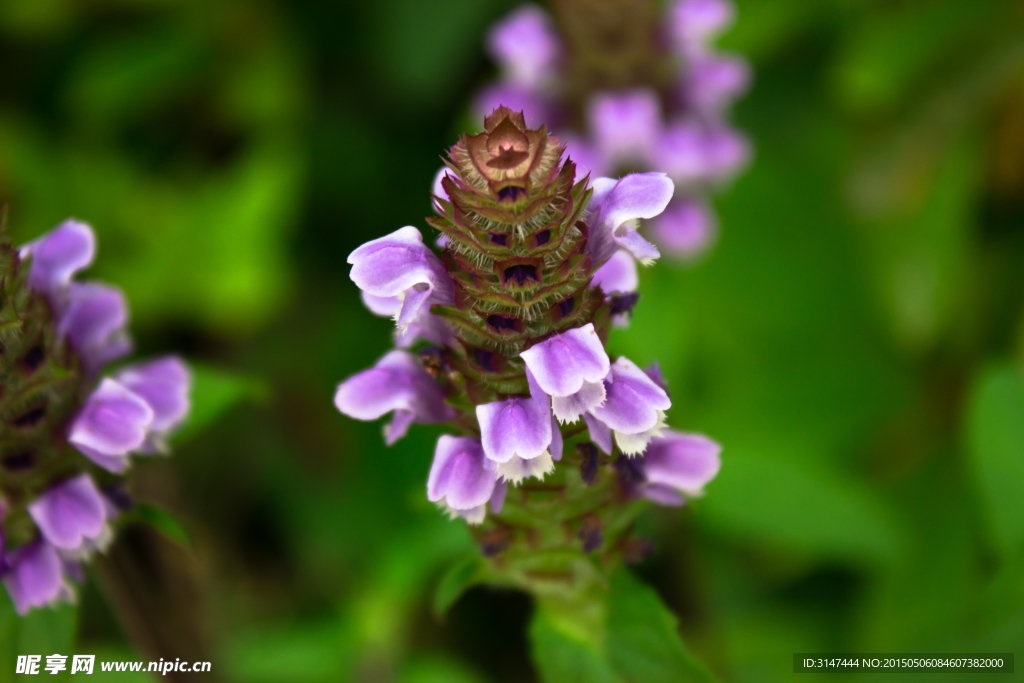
(131, 412)
(679, 127)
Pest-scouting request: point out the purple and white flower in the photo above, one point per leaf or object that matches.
(94, 318)
(686, 228)
(517, 427)
(614, 208)
(35, 577)
(58, 255)
(114, 422)
(634, 407)
(460, 479)
(396, 383)
(677, 466)
(618, 275)
(165, 384)
(525, 46)
(570, 368)
(72, 516)
(626, 125)
(402, 268)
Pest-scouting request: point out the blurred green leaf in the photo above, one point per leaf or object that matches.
(810, 510)
(438, 670)
(46, 631)
(562, 656)
(643, 639)
(995, 425)
(456, 581)
(298, 653)
(162, 521)
(214, 393)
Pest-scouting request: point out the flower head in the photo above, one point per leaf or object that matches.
(54, 514)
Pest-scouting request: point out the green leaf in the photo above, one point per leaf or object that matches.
(46, 631)
(643, 638)
(996, 436)
(214, 393)
(562, 656)
(161, 520)
(456, 581)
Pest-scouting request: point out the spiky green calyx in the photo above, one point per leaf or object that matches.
(41, 385)
(516, 250)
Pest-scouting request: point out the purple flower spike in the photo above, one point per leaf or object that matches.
(712, 83)
(526, 46)
(72, 516)
(93, 318)
(686, 228)
(694, 22)
(618, 274)
(396, 383)
(680, 462)
(626, 125)
(400, 265)
(614, 208)
(35, 577)
(114, 422)
(634, 408)
(165, 384)
(58, 255)
(516, 427)
(682, 153)
(459, 479)
(570, 367)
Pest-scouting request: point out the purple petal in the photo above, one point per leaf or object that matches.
(384, 306)
(694, 22)
(618, 274)
(657, 376)
(34, 578)
(682, 154)
(727, 152)
(498, 497)
(600, 433)
(613, 207)
(398, 427)
(586, 157)
(626, 126)
(535, 110)
(564, 362)
(114, 422)
(58, 255)
(686, 462)
(517, 426)
(93, 318)
(458, 475)
(525, 45)
(437, 188)
(662, 495)
(633, 401)
(426, 326)
(70, 513)
(555, 448)
(165, 384)
(400, 265)
(713, 82)
(686, 228)
(396, 382)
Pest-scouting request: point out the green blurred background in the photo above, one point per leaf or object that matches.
(855, 340)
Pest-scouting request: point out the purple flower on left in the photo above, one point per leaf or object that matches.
(63, 451)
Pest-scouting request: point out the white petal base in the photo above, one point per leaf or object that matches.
(517, 469)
